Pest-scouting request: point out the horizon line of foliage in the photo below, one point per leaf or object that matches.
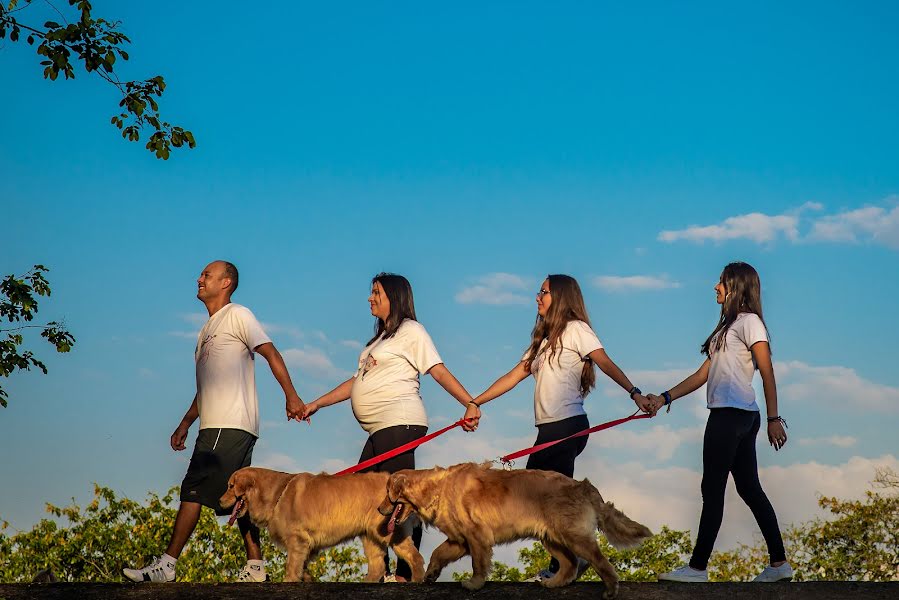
(97, 43)
(859, 542)
(18, 304)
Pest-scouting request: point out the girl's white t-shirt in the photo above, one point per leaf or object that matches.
(386, 384)
(226, 379)
(557, 394)
(732, 367)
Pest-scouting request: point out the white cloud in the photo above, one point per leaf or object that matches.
(874, 224)
(188, 335)
(496, 289)
(312, 361)
(757, 227)
(840, 441)
(833, 385)
(352, 344)
(278, 329)
(671, 495)
(871, 223)
(199, 319)
(615, 283)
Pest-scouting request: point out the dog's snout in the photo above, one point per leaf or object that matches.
(386, 507)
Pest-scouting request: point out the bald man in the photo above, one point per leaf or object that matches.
(228, 409)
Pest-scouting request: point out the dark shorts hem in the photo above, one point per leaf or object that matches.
(218, 453)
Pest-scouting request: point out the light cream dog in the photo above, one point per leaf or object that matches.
(305, 513)
(478, 507)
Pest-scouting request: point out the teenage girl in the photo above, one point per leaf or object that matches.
(735, 349)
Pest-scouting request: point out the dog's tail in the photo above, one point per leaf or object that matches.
(620, 530)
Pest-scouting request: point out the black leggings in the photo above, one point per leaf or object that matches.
(729, 447)
(385, 440)
(559, 458)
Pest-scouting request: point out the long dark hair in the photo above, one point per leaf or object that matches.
(743, 293)
(402, 305)
(567, 305)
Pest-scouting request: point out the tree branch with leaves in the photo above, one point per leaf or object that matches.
(18, 307)
(97, 43)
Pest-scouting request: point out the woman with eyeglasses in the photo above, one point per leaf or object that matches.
(561, 356)
(384, 390)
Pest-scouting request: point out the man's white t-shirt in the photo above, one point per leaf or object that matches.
(386, 384)
(557, 394)
(226, 382)
(732, 367)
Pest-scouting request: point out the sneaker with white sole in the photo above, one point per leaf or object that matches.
(782, 573)
(252, 574)
(685, 574)
(161, 570)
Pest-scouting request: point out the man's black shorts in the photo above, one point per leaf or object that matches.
(217, 454)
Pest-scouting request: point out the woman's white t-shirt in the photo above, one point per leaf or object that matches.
(732, 367)
(386, 384)
(557, 394)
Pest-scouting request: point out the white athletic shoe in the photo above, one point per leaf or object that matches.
(685, 574)
(252, 574)
(782, 573)
(159, 571)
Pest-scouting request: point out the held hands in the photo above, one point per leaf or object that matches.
(472, 416)
(295, 408)
(649, 404)
(777, 435)
(309, 410)
(655, 403)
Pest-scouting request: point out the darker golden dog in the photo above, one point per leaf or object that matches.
(478, 507)
(305, 513)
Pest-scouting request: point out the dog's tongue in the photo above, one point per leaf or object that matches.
(237, 506)
(392, 523)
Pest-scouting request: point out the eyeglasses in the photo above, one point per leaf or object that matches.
(542, 293)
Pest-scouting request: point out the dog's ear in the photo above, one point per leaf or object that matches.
(396, 486)
(243, 482)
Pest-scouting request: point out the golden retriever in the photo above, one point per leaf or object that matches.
(478, 507)
(305, 513)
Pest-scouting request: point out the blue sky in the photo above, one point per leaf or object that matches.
(473, 148)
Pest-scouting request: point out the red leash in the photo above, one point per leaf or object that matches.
(399, 450)
(508, 458)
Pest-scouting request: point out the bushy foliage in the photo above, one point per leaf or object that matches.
(94, 543)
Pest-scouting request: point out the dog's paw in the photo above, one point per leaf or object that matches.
(431, 576)
(475, 583)
(611, 592)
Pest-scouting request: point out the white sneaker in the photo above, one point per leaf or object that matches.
(540, 576)
(161, 570)
(782, 573)
(685, 574)
(252, 574)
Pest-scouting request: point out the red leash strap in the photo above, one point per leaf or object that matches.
(399, 450)
(508, 458)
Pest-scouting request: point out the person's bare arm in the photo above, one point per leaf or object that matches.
(180, 435)
(614, 372)
(777, 434)
(294, 406)
(339, 394)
